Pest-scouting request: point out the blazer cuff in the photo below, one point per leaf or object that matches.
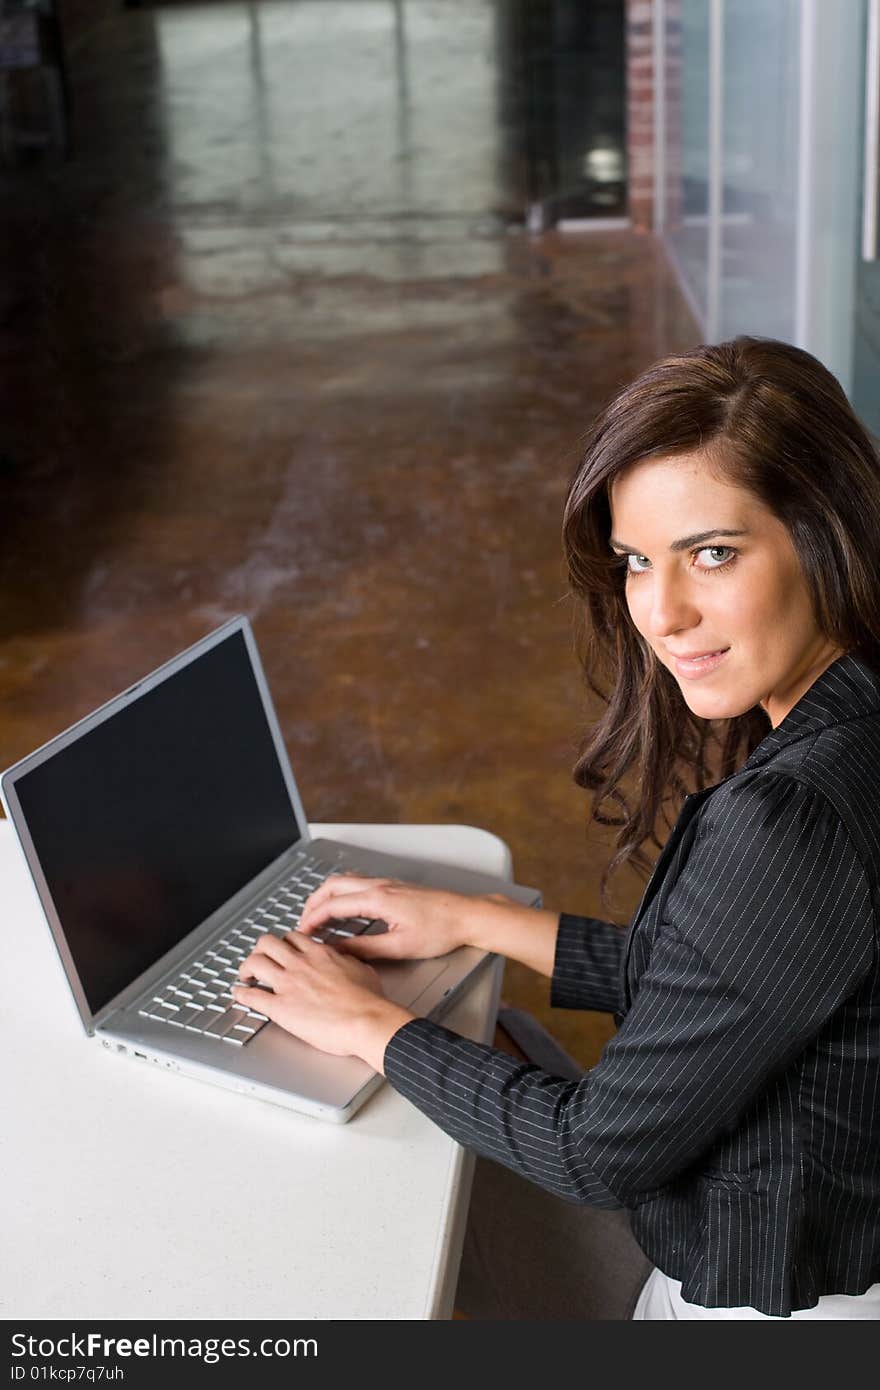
(587, 965)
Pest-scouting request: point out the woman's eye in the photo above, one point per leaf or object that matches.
(638, 569)
(718, 557)
(713, 550)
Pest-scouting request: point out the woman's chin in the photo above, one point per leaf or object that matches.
(714, 704)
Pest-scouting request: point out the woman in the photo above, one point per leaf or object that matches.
(723, 535)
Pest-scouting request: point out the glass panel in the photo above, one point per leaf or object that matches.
(865, 392)
(686, 145)
(760, 166)
(866, 345)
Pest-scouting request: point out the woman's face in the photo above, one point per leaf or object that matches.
(712, 570)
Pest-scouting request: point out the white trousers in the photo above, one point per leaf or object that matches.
(661, 1300)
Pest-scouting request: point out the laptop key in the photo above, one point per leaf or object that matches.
(218, 1025)
(188, 1016)
(349, 926)
(225, 1022)
(154, 1010)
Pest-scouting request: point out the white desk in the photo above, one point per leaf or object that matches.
(128, 1193)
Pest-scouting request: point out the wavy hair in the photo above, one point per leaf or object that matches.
(772, 419)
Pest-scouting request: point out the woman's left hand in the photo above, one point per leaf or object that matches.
(328, 999)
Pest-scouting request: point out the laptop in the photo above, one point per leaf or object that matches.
(164, 833)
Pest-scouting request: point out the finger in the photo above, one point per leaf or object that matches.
(277, 948)
(332, 887)
(262, 968)
(260, 1000)
(301, 942)
(334, 883)
(385, 946)
(341, 905)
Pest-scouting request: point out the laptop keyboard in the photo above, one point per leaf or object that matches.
(199, 997)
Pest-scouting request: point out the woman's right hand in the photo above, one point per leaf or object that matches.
(422, 922)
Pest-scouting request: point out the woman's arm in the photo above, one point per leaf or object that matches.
(767, 931)
(524, 934)
(581, 955)
(427, 922)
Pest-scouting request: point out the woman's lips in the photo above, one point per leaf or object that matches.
(700, 666)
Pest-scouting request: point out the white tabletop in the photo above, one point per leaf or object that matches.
(128, 1193)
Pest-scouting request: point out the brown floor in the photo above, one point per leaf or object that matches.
(245, 372)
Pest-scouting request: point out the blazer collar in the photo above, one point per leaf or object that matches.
(848, 689)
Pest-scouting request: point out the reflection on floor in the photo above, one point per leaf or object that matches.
(271, 346)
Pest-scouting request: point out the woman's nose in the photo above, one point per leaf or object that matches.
(672, 609)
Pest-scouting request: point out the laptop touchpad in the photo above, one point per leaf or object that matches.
(404, 980)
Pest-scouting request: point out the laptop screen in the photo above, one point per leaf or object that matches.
(151, 820)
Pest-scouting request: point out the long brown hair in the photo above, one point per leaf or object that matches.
(773, 420)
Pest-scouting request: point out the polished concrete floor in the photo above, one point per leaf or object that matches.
(273, 343)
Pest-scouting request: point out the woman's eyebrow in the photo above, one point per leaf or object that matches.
(683, 543)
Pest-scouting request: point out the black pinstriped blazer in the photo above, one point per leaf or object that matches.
(735, 1112)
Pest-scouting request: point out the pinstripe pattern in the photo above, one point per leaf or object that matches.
(586, 971)
(736, 1110)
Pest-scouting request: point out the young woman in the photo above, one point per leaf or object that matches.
(723, 538)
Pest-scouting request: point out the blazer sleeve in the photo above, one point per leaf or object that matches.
(587, 966)
(767, 930)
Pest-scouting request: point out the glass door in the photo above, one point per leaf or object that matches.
(572, 87)
(769, 175)
(865, 392)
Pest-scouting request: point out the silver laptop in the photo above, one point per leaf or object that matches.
(164, 833)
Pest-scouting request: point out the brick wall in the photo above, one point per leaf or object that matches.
(640, 111)
(672, 147)
(640, 80)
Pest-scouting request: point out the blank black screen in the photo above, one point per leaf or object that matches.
(145, 825)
